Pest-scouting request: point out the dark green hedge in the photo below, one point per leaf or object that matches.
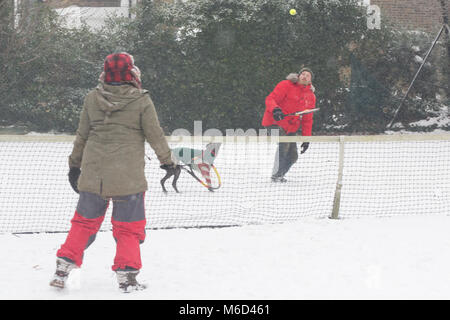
(217, 60)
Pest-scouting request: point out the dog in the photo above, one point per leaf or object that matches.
(196, 160)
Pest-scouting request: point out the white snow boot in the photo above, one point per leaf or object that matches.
(278, 179)
(63, 268)
(127, 281)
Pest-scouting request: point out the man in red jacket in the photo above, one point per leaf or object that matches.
(294, 94)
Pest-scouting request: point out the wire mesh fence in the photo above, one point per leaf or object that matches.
(381, 176)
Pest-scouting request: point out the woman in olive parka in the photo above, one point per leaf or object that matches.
(107, 163)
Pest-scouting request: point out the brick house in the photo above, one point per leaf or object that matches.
(423, 15)
(92, 12)
(83, 3)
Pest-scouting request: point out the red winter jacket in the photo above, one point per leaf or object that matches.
(291, 97)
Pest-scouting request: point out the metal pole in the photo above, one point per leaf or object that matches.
(16, 13)
(415, 77)
(337, 193)
(129, 8)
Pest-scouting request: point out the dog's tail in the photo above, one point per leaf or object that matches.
(211, 151)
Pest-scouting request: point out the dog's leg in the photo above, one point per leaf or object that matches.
(163, 180)
(175, 178)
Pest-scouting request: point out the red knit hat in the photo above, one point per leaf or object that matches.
(119, 67)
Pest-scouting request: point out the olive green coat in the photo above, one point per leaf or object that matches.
(110, 141)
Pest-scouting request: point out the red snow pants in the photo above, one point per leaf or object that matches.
(128, 225)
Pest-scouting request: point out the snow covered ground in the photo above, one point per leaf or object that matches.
(392, 242)
(358, 258)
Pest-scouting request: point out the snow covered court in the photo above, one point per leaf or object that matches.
(251, 239)
(365, 258)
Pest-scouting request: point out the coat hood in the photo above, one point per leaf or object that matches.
(111, 98)
(293, 77)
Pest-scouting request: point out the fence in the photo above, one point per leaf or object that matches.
(337, 177)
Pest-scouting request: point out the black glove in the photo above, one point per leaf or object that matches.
(304, 146)
(74, 174)
(278, 114)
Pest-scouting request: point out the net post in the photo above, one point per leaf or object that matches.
(337, 193)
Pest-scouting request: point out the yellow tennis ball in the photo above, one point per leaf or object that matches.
(293, 12)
